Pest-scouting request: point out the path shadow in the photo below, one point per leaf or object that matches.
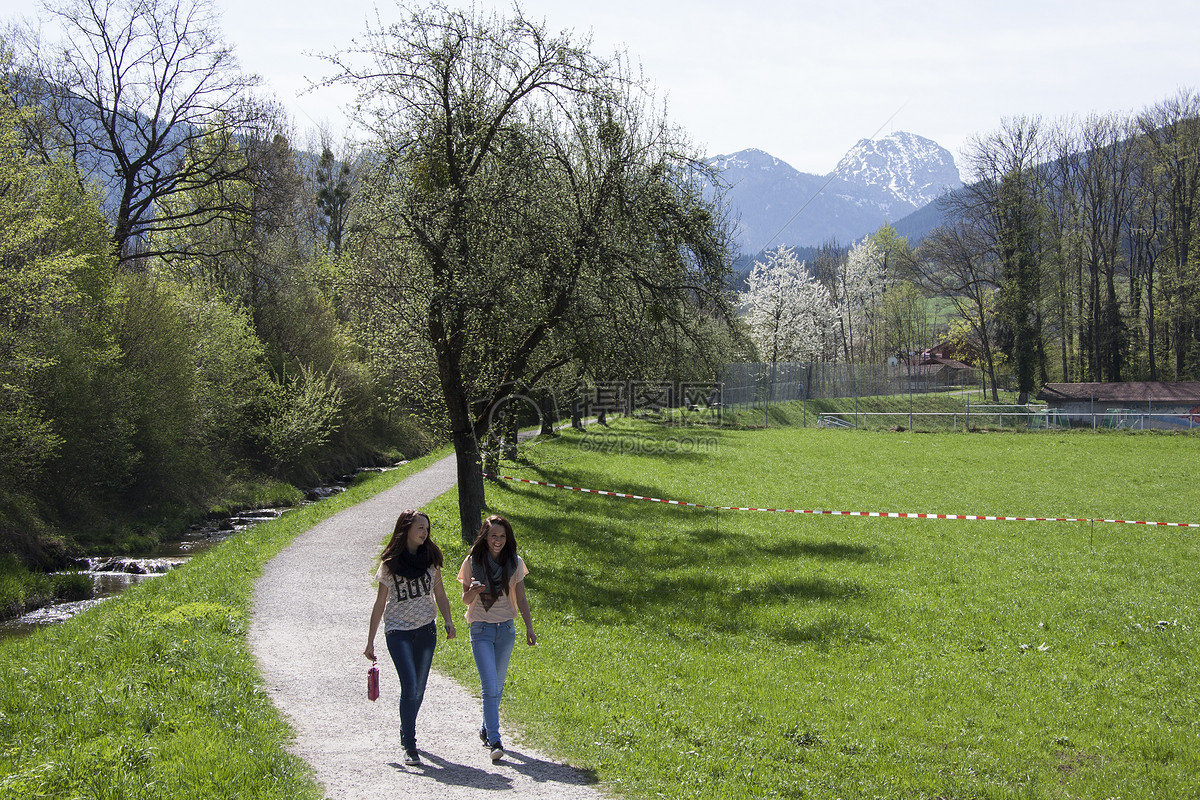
(452, 774)
(541, 771)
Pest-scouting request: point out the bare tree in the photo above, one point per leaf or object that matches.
(1004, 200)
(150, 102)
(1172, 138)
(1146, 241)
(1106, 163)
(952, 262)
(1065, 253)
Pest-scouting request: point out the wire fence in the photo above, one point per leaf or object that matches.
(933, 397)
(754, 385)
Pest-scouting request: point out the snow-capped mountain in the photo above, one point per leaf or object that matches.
(877, 181)
(911, 168)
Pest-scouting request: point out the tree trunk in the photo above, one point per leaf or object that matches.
(470, 484)
(1151, 339)
(576, 415)
(491, 454)
(510, 431)
(471, 501)
(548, 415)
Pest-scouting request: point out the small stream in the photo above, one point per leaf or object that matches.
(113, 575)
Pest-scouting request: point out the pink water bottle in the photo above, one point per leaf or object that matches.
(373, 682)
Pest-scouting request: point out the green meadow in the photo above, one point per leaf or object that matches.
(688, 652)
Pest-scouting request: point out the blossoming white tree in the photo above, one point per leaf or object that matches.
(860, 286)
(790, 314)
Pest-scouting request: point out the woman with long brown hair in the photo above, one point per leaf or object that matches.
(493, 581)
(410, 586)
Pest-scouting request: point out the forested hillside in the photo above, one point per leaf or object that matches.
(140, 388)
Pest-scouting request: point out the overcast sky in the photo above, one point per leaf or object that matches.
(801, 80)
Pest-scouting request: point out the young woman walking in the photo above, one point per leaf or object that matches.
(493, 581)
(410, 584)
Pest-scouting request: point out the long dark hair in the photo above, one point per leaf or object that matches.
(479, 549)
(399, 540)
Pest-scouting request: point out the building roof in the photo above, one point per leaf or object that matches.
(952, 363)
(1132, 392)
(926, 360)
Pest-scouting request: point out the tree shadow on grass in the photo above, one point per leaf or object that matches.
(567, 521)
(686, 599)
(600, 565)
(825, 633)
(798, 589)
(829, 551)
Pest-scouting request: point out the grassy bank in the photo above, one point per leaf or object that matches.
(952, 411)
(155, 694)
(22, 590)
(689, 653)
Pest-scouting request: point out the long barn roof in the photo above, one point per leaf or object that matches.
(1132, 392)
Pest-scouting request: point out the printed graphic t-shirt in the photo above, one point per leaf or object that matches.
(410, 602)
(485, 608)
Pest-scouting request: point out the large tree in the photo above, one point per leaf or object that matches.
(56, 355)
(512, 177)
(1172, 140)
(138, 91)
(952, 263)
(1004, 200)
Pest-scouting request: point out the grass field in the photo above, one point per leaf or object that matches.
(695, 653)
(691, 653)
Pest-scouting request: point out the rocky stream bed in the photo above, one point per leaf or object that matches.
(112, 575)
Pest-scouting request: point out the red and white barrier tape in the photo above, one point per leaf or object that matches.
(884, 514)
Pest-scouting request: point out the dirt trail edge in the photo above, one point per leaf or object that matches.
(308, 629)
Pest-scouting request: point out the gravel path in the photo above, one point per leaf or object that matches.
(308, 630)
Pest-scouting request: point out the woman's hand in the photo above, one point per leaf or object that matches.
(474, 590)
(530, 637)
(450, 632)
(370, 652)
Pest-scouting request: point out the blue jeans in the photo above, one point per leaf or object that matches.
(412, 653)
(492, 646)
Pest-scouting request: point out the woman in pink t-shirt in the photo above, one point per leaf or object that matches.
(493, 581)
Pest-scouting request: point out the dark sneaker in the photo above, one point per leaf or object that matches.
(483, 737)
(411, 759)
(497, 752)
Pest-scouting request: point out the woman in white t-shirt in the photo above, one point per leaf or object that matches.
(410, 586)
(493, 581)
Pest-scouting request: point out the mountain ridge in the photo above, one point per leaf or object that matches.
(876, 181)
